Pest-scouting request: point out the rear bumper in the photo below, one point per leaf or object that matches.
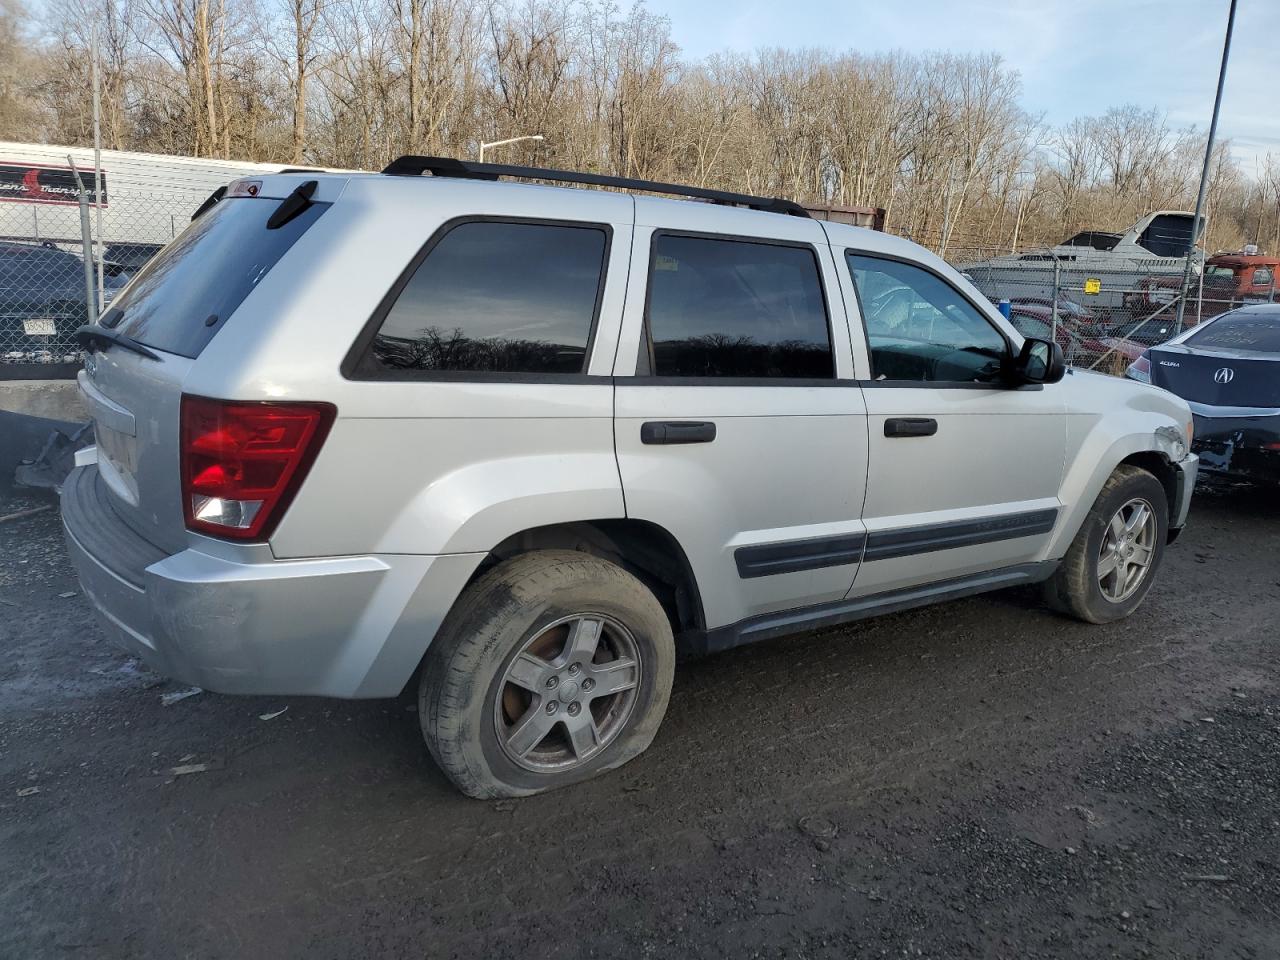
(1238, 443)
(334, 626)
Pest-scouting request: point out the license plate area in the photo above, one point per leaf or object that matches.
(118, 461)
(39, 327)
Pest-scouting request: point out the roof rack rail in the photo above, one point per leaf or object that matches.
(413, 166)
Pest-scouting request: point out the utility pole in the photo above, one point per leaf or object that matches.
(503, 143)
(97, 161)
(86, 244)
(1204, 173)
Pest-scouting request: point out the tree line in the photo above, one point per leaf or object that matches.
(942, 141)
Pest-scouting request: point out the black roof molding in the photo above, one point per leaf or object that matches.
(413, 166)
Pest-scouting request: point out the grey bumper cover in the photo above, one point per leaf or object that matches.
(332, 626)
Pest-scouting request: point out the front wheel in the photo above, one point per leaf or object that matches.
(1112, 562)
(553, 667)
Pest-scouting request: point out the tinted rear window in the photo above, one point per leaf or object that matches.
(1247, 331)
(184, 295)
(736, 308)
(494, 297)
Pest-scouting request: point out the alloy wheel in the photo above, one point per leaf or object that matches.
(1128, 550)
(567, 692)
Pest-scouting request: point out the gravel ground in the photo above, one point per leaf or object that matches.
(982, 779)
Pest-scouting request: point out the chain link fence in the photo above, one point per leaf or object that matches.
(1102, 309)
(59, 269)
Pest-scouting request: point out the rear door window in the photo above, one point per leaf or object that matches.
(495, 297)
(736, 308)
(185, 294)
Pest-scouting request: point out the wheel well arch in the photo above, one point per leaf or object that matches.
(645, 549)
(1160, 467)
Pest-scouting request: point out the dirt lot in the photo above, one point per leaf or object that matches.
(976, 780)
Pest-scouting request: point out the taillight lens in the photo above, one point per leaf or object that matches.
(243, 462)
(1140, 369)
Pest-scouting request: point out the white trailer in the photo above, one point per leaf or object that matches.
(147, 197)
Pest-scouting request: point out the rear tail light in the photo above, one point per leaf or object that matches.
(1140, 369)
(243, 462)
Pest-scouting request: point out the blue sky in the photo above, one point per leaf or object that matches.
(1076, 57)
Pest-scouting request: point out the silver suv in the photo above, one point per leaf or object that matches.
(517, 443)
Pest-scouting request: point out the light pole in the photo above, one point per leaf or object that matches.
(503, 143)
(1204, 173)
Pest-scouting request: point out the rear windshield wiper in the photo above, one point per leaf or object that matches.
(293, 204)
(92, 334)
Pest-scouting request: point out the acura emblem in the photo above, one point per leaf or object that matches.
(1224, 375)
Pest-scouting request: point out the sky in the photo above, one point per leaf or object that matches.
(1076, 57)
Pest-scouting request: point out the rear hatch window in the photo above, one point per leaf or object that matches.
(185, 294)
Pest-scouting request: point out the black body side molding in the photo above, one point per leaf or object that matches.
(769, 559)
(788, 556)
(883, 544)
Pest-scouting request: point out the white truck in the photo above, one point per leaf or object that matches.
(147, 198)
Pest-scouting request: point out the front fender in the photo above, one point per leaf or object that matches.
(1096, 446)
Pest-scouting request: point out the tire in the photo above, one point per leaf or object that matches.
(1077, 588)
(498, 671)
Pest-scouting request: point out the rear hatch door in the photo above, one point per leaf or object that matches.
(174, 307)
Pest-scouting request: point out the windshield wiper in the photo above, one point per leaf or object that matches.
(91, 334)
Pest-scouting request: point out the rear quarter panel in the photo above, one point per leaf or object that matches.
(421, 467)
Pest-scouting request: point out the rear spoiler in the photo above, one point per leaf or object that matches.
(290, 207)
(212, 199)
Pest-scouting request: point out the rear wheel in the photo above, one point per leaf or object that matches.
(1112, 562)
(553, 667)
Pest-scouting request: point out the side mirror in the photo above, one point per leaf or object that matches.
(1039, 361)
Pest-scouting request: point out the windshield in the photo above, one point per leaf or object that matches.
(184, 295)
(1243, 330)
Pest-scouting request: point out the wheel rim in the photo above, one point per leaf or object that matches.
(567, 693)
(1128, 549)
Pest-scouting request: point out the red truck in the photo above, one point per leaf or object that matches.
(1230, 280)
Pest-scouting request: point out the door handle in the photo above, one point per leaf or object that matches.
(677, 431)
(910, 427)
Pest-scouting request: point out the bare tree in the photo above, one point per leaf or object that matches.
(940, 140)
